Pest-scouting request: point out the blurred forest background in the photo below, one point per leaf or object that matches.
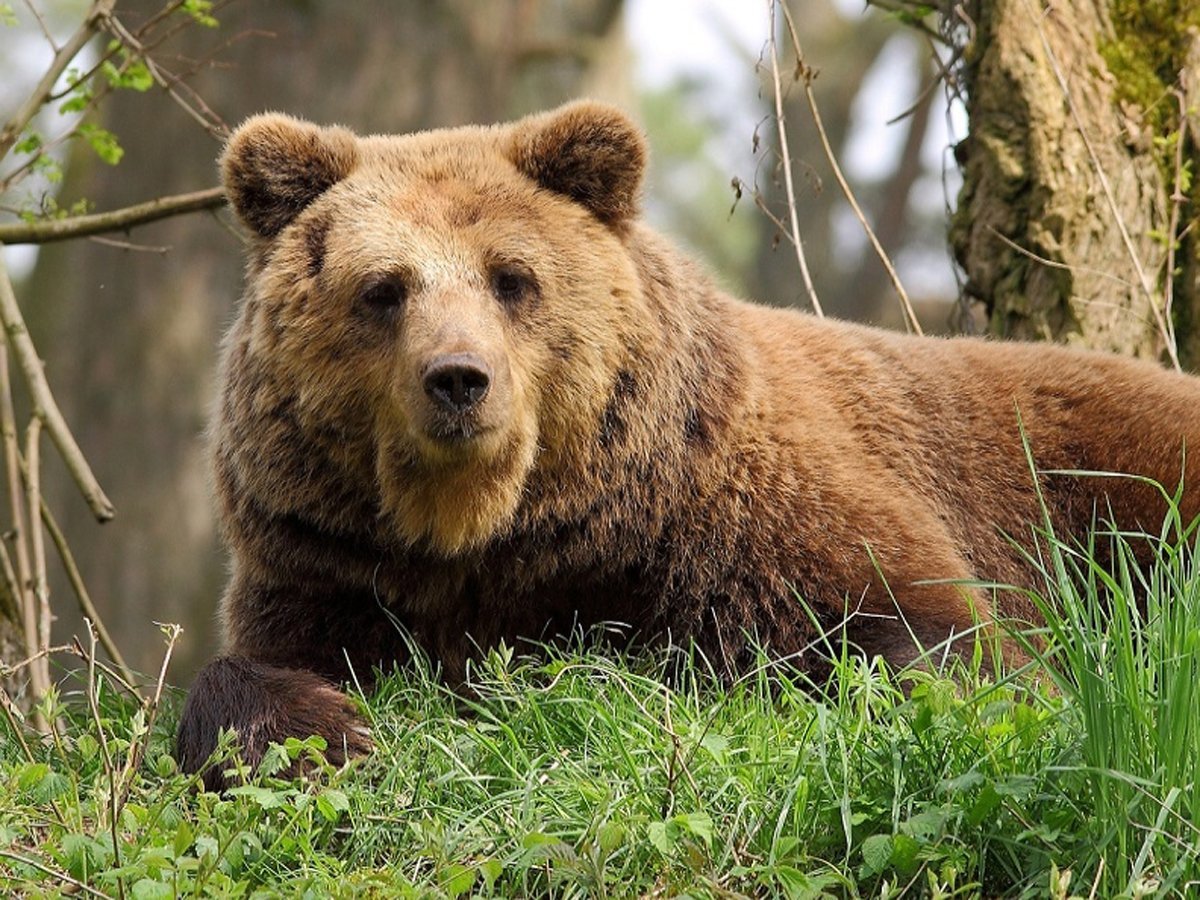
(129, 328)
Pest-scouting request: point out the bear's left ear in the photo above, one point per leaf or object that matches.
(587, 151)
(274, 166)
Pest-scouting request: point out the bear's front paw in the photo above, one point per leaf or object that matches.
(263, 704)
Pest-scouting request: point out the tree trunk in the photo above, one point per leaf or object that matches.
(1062, 218)
(130, 338)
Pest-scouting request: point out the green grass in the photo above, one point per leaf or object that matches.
(590, 773)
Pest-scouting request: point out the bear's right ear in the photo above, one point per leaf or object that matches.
(274, 166)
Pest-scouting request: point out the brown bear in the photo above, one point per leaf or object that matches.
(470, 394)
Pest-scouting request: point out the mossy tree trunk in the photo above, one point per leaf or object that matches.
(1064, 218)
(130, 338)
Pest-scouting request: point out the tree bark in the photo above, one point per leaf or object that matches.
(1061, 218)
(130, 338)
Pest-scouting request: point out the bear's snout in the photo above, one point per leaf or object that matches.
(457, 382)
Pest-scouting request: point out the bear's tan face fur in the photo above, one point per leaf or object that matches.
(458, 303)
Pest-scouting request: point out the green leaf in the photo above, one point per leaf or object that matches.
(31, 143)
(103, 142)
(183, 838)
(877, 853)
(53, 786)
(275, 759)
(717, 746)
(657, 832)
(904, 854)
(87, 746)
(132, 74)
(200, 12)
(987, 801)
(146, 889)
(537, 839)
(331, 804)
(491, 869)
(31, 775)
(610, 836)
(76, 855)
(164, 763)
(8, 18)
(699, 824)
(459, 879)
(207, 846)
(963, 782)
(264, 797)
(925, 826)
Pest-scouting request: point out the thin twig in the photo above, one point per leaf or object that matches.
(106, 755)
(15, 717)
(41, 23)
(39, 675)
(129, 245)
(1178, 199)
(1054, 263)
(205, 118)
(150, 707)
(787, 167)
(1164, 327)
(12, 592)
(39, 589)
(71, 568)
(53, 873)
(116, 220)
(41, 654)
(45, 407)
(806, 77)
(93, 21)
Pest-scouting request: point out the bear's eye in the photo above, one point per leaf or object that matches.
(512, 284)
(384, 297)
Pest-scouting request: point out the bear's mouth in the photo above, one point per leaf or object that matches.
(456, 434)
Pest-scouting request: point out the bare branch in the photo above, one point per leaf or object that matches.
(39, 589)
(66, 879)
(116, 220)
(93, 691)
(41, 23)
(22, 577)
(1178, 200)
(85, 600)
(45, 406)
(204, 117)
(93, 21)
(806, 78)
(787, 166)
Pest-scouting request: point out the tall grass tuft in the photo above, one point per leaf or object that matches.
(1122, 647)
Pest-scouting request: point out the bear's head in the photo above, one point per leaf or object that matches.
(454, 303)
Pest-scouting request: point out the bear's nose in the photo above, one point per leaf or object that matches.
(457, 382)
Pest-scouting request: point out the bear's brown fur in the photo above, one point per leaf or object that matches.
(468, 392)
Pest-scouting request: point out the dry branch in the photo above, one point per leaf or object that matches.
(21, 580)
(45, 406)
(71, 568)
(115, 220)
(806, 77)
(38, 588)
(787, 166)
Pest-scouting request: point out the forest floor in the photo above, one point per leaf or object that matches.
(578, 771)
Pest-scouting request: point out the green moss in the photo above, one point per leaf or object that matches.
(1149, 50)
